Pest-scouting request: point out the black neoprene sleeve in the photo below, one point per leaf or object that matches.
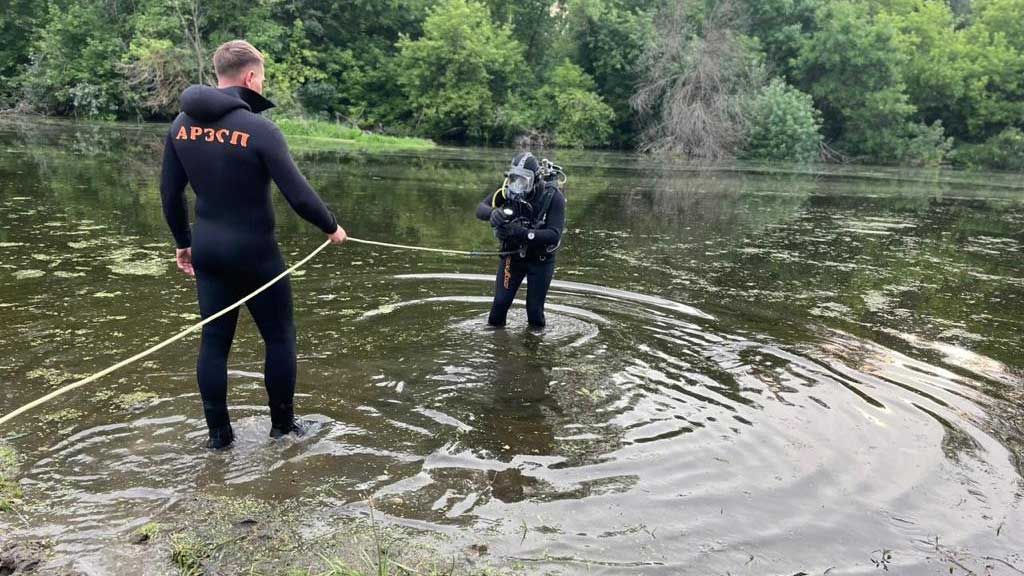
(172, 196)
(296, 189)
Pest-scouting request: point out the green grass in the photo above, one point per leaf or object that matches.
(147, 532)
(10, 493)
(188, 551)
(305, 133)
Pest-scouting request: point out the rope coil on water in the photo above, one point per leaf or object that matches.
(78, 384)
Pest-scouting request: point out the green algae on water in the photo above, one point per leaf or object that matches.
(28, 274)
(134, 262)
(51, 376)
(61, 417)
(134, 401)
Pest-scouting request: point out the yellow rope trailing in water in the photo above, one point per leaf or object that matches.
(61, 391)
(74, 385)
(423, 249)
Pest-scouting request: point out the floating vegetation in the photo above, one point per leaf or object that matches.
(52, 376)
(136, 262)
(27, 274)
(61, 417)
(134, 401)
(87, 244)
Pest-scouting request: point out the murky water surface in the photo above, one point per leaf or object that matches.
(745, 371)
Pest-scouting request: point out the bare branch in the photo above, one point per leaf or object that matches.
(696, 82)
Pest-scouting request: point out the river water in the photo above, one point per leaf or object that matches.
(748, 370)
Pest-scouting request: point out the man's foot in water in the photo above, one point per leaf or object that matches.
(283, 422)
(295, 427)
(220, 437)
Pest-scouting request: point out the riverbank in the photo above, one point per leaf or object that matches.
(305, 133)
(301, 133)
(9, 490)
(232, 535)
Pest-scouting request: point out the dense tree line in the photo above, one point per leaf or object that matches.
(891, 81)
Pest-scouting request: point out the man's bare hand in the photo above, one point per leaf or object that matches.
(184, 259)
(339, 236)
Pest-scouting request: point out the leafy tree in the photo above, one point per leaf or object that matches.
(535, 25)
(459, 72)
(783, 125)
(1004, 151)
(18, 22)
(567, 106)
(354, 44)
(74, 62)
(936, 64)
(1001, 17)
(780, 26)
(608, 39)
(852, 64)
(995, 79)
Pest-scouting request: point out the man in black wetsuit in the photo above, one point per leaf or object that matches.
(528, 216)
(228, 153)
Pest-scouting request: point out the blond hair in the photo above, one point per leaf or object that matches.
(232, 58)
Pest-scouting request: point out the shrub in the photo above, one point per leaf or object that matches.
(567, 107)
(1004, 151)
(783, 125)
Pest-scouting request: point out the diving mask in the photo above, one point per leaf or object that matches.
(520, 179)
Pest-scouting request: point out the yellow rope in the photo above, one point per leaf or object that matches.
(59, 392)
(74, 385)
(422, 249)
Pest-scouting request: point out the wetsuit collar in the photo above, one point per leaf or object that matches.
(257, 103)
(207, 104)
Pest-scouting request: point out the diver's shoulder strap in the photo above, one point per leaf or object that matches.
(549, 196)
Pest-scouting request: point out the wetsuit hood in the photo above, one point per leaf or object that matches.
(206, 104)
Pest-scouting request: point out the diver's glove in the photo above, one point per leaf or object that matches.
(516, 231)
(501, 231)
(497, 218)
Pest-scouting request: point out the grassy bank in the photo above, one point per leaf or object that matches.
(220, 535)
(329, 135)
(302, 134)
(9, 491)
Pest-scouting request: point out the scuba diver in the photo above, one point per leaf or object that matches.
(528, 216)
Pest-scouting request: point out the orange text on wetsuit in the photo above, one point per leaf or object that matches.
(221, 135)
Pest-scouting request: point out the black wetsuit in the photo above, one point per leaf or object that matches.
(229, 154)
(538, 263)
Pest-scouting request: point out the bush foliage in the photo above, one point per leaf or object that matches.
(892, 81)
